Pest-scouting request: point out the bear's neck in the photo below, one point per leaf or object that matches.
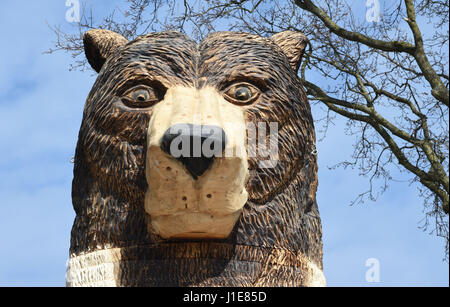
(193, 264)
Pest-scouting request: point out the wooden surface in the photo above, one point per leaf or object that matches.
(277, 240)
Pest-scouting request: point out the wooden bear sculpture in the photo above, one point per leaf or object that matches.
(195, 164)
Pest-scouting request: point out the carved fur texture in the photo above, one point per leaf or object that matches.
(277, 240)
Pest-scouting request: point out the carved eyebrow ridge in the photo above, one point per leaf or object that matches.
(139, 80)
(229, 79)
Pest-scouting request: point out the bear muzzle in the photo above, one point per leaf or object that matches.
(195, 146)
(196, 165)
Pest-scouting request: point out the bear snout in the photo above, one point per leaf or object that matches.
(196, 164)
(195, 146)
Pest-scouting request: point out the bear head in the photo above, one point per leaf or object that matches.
(207, 142)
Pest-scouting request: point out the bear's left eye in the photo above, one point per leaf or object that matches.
(242, 93)
(142, 96)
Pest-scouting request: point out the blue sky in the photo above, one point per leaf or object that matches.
(41, 105)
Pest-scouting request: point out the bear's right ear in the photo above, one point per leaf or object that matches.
(100, 44)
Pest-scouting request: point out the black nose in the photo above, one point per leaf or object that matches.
(195, 146)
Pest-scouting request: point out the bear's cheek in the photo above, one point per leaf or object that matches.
(278, 157)
(115, 142)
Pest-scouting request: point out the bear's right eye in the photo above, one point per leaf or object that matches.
(142, 96)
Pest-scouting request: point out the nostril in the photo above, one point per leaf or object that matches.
(194, 146)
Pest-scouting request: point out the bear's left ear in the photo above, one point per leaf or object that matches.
(100, 44)
(293, 44)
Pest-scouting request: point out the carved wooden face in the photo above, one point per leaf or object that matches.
(173, 120)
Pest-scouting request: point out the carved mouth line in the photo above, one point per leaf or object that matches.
(184, 212)
(193, 225)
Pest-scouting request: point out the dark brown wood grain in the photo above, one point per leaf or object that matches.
(280, 226)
